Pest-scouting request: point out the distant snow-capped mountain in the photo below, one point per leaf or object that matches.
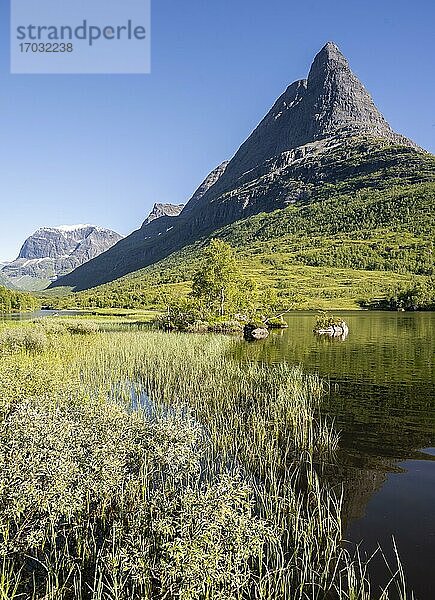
(54, 251)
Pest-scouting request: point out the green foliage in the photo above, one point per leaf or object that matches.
(82, 327)
(14, 301)
(218, 288)
(419, 296)
(185, 314)
(219, 539)
(190, 315)
(214, 284)
(276, 323)
(325, 320)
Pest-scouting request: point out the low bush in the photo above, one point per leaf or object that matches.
(51, 326)
(82, 327)
(23, 339)
(130, 490)
(276, 323)
(324, 321)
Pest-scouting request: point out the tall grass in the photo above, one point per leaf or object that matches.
(142, 465)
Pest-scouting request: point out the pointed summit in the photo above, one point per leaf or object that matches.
(331, 103)
(331, 51)
(329, 58)
(338, 104)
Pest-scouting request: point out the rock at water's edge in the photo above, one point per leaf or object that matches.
(254, 332)
(341, 330)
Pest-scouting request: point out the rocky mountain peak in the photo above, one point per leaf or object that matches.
(54, 251)
(329, 57)
(163, 210)
(62, 241)
(337, 103)
(322, 130)
(330, 103)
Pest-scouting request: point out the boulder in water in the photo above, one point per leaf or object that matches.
(340, 329)
(255, 332)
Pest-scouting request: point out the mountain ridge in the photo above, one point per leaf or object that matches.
(311, 135)
(163, 210)
(53, 251)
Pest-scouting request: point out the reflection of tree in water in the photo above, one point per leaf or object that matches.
(381, 347)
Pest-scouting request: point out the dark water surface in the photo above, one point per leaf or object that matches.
(39, 314)
(382, 398)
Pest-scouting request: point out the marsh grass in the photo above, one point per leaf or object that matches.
(17, 339)
(139, 465)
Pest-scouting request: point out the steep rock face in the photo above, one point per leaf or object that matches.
(332, 104)
(163, 210)
(337, 103)
(54, 251)
(205, 186)
(323, 129)
(128, 253)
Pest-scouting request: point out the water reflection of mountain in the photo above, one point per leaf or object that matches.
(381, 420)
(381, 397)
(358, 487)
(381, 379)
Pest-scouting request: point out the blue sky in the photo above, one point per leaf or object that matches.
(102, 149)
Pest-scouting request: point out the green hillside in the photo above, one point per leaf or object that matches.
(342, 247)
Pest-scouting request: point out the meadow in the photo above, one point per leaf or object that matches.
(138, 464)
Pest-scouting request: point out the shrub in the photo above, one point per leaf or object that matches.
(79, 474)
(82, 327)
(51, 326)
(183, 315)
(324, 320)
(233, 326)
(276, 323)
(25, 338)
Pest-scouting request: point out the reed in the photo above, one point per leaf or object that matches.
(142, 465)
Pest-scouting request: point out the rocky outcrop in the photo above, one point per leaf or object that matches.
(205, 186)
(54, 251)
(163, 210)
(311, 136)
(255, 332)
(337, 330)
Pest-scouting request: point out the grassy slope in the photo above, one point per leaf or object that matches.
(31, 284)
(354, 239)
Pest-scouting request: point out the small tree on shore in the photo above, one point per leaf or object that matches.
(215, 281)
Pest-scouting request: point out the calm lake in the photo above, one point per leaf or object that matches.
(381, 382)
(39, 314)
(381, 395)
